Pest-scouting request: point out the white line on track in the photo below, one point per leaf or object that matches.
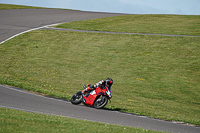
(26, 92)
(29, 31)
(32, 111)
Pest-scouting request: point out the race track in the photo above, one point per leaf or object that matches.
(16, 21)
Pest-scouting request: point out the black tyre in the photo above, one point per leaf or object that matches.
(77, 98)
(101, 102)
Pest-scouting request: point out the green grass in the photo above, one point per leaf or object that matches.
(19, 121)
(155, 76)
(11, 6)
(158, 24)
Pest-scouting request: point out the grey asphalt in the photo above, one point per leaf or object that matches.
(16, 21)
(21, 100)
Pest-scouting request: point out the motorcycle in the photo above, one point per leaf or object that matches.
(97, 98)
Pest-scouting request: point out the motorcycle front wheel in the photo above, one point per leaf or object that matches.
(77, 98)
(101, 102)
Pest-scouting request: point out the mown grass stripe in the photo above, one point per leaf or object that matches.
(52, 28)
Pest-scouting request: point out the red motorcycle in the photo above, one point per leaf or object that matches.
(97, 98)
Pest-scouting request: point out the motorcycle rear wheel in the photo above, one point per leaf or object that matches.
(101, 102)
(77, 98)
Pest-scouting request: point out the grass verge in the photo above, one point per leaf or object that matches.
(153, 75)
(20, 121)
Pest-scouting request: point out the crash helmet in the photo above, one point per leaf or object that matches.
(109, 81)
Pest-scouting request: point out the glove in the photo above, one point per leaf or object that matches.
(88, 85)
(109, 94)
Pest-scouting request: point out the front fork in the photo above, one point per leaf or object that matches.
(83, 99)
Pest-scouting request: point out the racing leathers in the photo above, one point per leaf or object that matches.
(101, 84)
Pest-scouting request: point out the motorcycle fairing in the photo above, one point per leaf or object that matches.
(93, 94)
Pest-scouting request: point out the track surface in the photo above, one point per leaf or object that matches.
(20, 100)
(16, 21)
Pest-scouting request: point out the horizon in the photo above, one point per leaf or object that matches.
(178, 7)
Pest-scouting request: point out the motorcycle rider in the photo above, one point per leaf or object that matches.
(102, 84)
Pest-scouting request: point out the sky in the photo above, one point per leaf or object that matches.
(181, 7)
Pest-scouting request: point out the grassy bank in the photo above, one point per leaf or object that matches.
(19, 121)
(153, 75)
(11, 6)
(157, 24)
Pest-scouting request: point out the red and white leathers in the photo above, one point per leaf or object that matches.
(93, 87)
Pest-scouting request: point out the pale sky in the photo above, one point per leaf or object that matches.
(182, 7)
